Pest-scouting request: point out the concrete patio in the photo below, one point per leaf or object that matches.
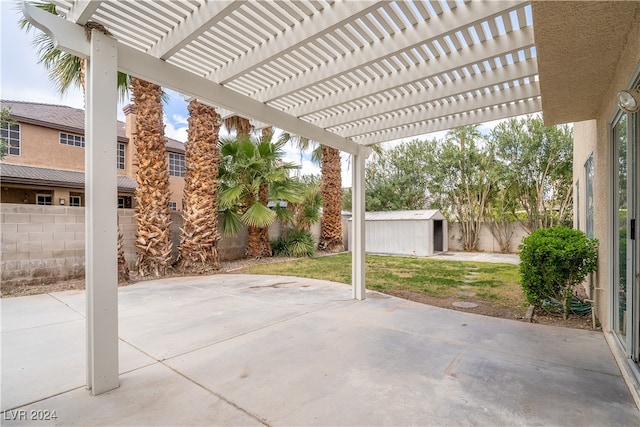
(251, 350)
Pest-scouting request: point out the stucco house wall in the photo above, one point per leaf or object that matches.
(595, 135)
(40, 147)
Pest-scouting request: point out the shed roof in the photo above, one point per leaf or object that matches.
(416, 215)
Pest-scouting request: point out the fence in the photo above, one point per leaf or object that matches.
(487, 243)
(45, 244)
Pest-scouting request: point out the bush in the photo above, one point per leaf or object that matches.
(552, 262)
(297, 243)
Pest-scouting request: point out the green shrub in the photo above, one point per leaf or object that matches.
(297, 243)
(552, 262)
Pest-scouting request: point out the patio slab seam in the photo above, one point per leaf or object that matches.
(40, 326)
(65, 304)
(22, 405)
(218, 395)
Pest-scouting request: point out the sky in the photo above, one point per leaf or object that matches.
(23, 79)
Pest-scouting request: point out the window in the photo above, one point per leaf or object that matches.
(75, 201)
(577, 204)
(124, 202)
(588, 180)
(173, 205)
(11, 134)
(71, 139)
(176, 164)
(121, 151)
(44, 199)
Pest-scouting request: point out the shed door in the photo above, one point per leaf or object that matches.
(437, 236)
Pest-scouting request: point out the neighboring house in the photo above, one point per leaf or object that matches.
(45, 160)
(587, 54)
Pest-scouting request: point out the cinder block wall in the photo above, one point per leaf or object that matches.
(45, 244)
(487, 242)
(229, 247)
(41, 244)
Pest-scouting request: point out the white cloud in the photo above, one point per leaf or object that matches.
(180, 119)
(179, 133)
(21, 77)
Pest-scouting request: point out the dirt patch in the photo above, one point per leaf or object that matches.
(487, 309)
(484, 308)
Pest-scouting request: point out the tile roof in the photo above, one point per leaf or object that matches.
(20, 174)
(63, 117)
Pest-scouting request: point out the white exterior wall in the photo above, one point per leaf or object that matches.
(399, 237)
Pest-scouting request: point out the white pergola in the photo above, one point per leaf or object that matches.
(347, 74)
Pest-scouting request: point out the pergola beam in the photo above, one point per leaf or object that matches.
(70, 37)
(478, 53)
(452, 108)
(499, 76)
(300, 34)
(207, 15)
(358, 265)
(101, 215)
(423, 32)
(82, 10)
(451, 122)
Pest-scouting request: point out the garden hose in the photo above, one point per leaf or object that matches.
(576, 306)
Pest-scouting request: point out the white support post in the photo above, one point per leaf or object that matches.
(101, 214)
(357, 223)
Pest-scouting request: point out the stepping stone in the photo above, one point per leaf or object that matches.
(472, 273)
(468, 281)
(465, 286)
(466, 293)
(464, 304)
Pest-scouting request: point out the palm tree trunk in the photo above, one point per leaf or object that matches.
(258, 245)
(200, 236)
(152, 194)
(123, 267)
(331, 233)
(257, 238)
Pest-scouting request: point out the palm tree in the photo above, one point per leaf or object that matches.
(247, 168)
(67, 70)
(152, 193)
(200, 236)
(331, 188)
(307, 212)
(240, 124)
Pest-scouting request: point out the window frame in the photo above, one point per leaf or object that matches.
(44, 195)
(77, 139)
(589, 213)
(13, 143)
(176, 164)
(121, 153)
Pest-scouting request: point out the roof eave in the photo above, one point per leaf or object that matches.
(578, 54)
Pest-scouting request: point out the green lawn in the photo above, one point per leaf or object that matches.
(493, 283)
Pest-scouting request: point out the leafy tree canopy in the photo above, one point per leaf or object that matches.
(522, 170)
